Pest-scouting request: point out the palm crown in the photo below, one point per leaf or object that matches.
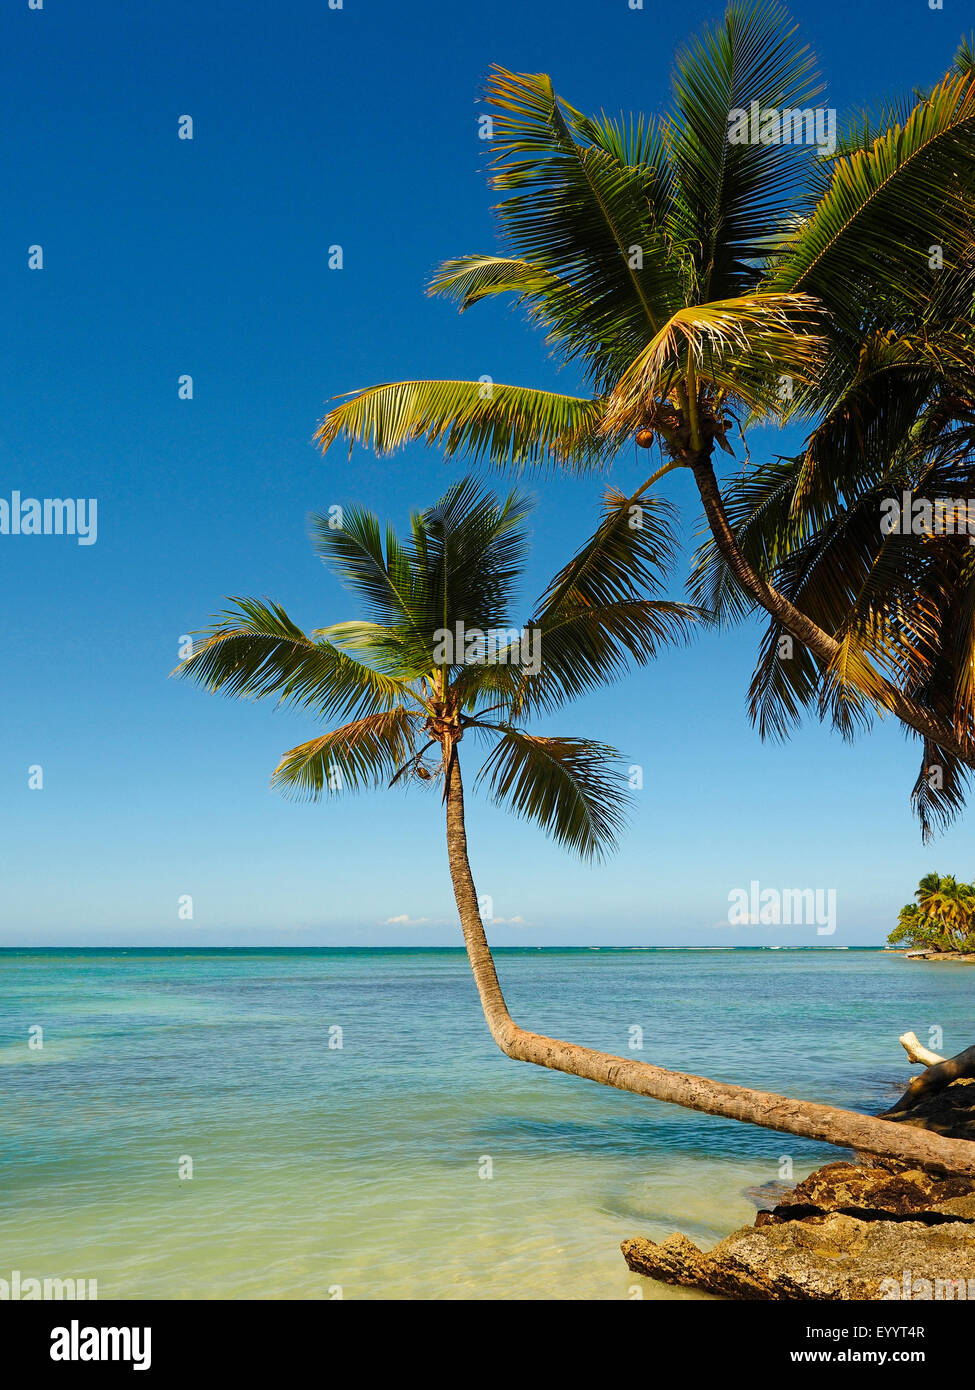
(686, 274)
(437, 656)
(697, 284)
(642, 249)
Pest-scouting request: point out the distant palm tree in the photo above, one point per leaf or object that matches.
(438, 661)
(949, 907)
(697, 274)
(943, 917)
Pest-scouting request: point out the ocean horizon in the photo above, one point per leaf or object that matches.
(456, 950)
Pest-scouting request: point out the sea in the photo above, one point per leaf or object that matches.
(337, 1123)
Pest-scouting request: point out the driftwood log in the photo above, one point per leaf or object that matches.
(939, 1072)
(917, 1052)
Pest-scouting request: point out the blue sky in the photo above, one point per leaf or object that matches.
(162, 256)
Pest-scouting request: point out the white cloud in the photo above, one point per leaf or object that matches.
(403, 919)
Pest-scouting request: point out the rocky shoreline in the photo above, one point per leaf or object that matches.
(867, 1229)
(936, 957)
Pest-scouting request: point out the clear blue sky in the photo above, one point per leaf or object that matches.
(163, 257)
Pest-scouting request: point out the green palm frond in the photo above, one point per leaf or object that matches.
(471, 547)
(730, 195)
(568, 786)
(785, 683)
(864, 231)
(469, 279)
(741, 346)
(965, 57)
(509, 426)
(851, 690)
(940, 792)
(461, 563)
(880, 398)
(859, 131)
(574, 208)
(600, 611)
(255, 650)
(372, 563)
(573, 324)
(365, 753)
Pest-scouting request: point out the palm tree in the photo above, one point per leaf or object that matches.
(694, 282)
(948, 906)
(942, 918)
(426, 670)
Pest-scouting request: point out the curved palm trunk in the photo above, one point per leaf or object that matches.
(822, 646)
(805, 1118)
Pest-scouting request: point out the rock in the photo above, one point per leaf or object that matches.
(825, 1257)
(875, 1193)
(942, 957)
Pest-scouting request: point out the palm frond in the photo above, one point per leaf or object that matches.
(577, 207)
(864, 233)
(364, 753)
(469, 279)
(939, 794)
(470, 549)
(742, 346)
(730, 195)
(370, 561)
(965, 57)
(568, 786)
(255, 650)
(601, 611)
(509, 426)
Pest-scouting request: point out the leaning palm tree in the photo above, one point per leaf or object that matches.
(437, 662)
(700, 273)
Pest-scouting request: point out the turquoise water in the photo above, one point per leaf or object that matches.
(318, 1168)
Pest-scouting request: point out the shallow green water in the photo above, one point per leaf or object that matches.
(359, 1167)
